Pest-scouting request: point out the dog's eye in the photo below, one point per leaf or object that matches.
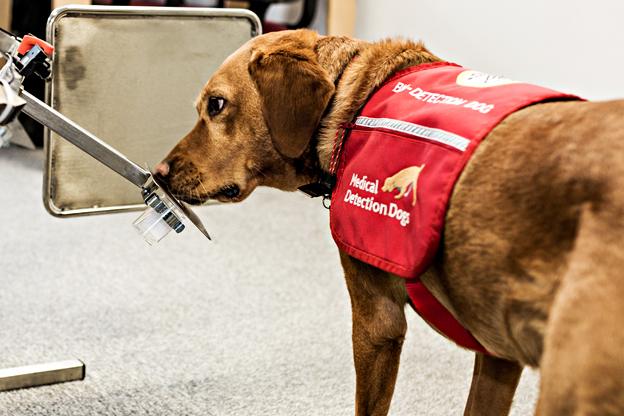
(215, 105)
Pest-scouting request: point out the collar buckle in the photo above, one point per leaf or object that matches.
(323, 187)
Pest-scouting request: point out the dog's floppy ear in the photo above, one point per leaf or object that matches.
(294, 90)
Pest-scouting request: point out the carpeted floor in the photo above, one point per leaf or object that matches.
(256, 323)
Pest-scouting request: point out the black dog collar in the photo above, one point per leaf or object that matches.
(323, 187)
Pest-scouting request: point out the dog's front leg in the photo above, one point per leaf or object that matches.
(494, 383)
(379, 326)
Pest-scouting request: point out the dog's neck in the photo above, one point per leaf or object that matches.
(357, 79)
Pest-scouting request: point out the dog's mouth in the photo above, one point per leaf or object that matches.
(194, 193)
(227, 193)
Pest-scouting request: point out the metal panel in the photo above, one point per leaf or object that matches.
(130, 75)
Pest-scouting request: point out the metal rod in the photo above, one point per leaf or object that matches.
(41, 374)
(85, 141)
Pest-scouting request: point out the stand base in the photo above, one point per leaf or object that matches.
(41, 374)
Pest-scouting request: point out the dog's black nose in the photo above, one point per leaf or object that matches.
(230, 191)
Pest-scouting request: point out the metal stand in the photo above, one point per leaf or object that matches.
(13, 99)
(33, 56)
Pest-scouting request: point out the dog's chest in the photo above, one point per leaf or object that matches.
(397, 162)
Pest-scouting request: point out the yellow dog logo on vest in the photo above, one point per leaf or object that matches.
(405, 181)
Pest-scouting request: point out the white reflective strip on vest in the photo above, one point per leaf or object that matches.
(436, 135)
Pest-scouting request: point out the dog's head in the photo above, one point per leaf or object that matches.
(257, 115)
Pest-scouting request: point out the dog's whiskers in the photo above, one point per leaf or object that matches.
(203, 187)
(258, 170)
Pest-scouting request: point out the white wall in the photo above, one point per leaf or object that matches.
(291, 12)
(572, 45)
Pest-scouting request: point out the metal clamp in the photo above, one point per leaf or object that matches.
(10, 103)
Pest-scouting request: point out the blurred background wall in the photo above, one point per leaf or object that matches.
(571, 45)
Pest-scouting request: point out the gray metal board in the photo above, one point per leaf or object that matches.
(129, 75)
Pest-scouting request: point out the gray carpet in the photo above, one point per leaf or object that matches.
(256, 323)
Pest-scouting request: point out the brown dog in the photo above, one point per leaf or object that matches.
(530, 262)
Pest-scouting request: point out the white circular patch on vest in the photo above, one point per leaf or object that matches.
(478, 79)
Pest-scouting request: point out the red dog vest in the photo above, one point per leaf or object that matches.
(399, 160)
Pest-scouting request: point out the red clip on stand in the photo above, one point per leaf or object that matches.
(33, 57)
(29, 41)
